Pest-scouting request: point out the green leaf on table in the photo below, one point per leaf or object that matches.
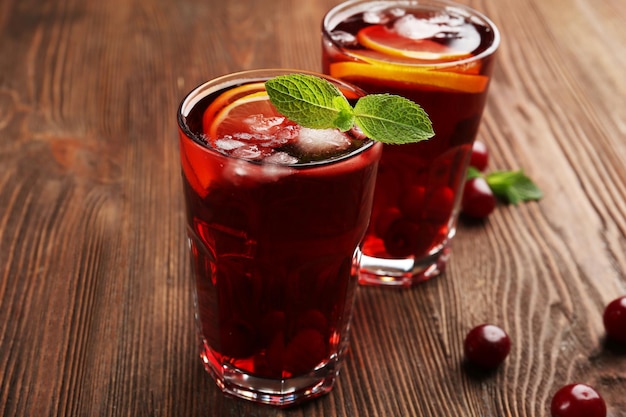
(473, 172)
(513, 186)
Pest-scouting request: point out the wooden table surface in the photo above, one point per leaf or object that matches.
(95, 288)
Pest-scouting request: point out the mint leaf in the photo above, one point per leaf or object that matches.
(392, 119)
(316, 103)
(310, 101)
(513, 186)
(473, 172)
(345, 118)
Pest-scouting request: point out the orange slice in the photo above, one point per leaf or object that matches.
(226, 99)
(218, 122)
(382, 39)
(231, 119)
(419, 76)
(233, 103)
(196, 166)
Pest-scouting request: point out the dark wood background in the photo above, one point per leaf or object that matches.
(95, 294)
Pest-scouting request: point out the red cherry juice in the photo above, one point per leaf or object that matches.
(419, 185)
(273, 241)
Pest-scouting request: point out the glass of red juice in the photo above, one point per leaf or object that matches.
(440, 55)
(275, 216)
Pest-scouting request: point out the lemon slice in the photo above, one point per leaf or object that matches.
(420, 76)
(386, 41)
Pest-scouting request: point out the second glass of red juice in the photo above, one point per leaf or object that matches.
(440, 55)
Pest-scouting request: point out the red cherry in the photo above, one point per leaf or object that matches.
(402, 238)
(237, 339)
(411, 201)
(438, 205)
(306, 350)
(313, 319)
(615, 320)
(487, 346)
(274, 354)
(577, 400)
(385, 219)
(480, 156)
(271, 324)
(478, 199)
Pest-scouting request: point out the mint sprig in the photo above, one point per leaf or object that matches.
(512, 187)
(316, 103)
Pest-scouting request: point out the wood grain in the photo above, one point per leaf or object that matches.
(95, 298)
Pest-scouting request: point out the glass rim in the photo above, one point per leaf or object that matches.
(350, 7)
(257, 75)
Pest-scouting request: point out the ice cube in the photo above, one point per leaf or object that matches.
(358, 133)
(251, 152)
(281, 137)
(281, 158)
(245, 174)
(288, 132)
(411, 27)
(227, 143)
(243, 136)
(381, 17)
(262, 139)
(261, 124)
(317, 141)
(269, 132)
(343, 38)
(448, 19)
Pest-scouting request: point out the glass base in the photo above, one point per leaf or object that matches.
(402, 272)
(277, 392)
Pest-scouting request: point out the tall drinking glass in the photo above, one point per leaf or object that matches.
(440, 55)
(275, 216)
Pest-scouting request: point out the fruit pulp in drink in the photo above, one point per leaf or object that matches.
(275, 214)
(437, 59)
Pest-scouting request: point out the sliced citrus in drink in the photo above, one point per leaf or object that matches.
(412, 74)
(411, 52)
(251, 121)
(224, 116)
(234, 117)
(235, 104)
(388, 42)
(248, 127)
(231, 95)
(196, 166)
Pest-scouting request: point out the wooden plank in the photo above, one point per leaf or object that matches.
(96, 314)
